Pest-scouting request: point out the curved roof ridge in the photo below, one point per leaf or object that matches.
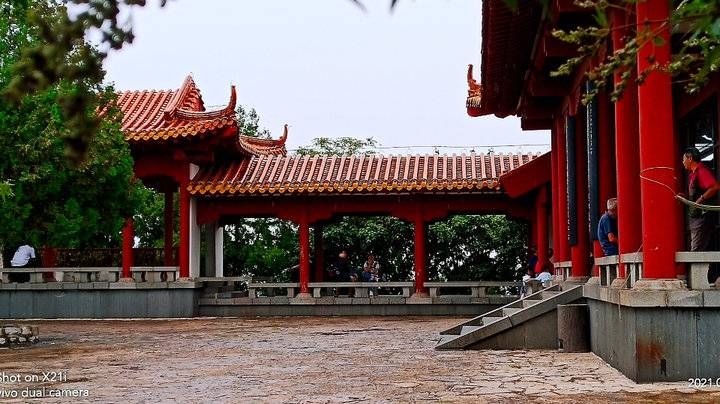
(187, 96)
(220, 113)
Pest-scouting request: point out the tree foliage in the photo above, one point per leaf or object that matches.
(338, 146)
(695, 22)
(249, 123)
(48, 201)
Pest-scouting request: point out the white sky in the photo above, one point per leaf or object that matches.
(325, 67)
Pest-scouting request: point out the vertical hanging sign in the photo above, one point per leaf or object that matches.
(571, 186)
(593, 131)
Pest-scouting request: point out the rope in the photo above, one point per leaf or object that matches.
(678, 196)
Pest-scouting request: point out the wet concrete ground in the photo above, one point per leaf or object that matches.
(310, 359)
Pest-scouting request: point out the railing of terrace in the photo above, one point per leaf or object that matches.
(102, 257)
(698, 266)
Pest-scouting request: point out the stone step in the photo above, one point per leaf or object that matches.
(530, 302)
(446, 338)
(469, 328)
(466, 335)
(510, 311)
(490, 320)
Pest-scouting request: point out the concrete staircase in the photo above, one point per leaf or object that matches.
(529, 323)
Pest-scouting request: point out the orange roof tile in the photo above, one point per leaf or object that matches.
(357, 174)
(168, 114)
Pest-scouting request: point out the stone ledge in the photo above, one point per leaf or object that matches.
(681, 298)
(99, 285)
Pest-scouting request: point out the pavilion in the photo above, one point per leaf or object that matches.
(651, 307)
(221, 174)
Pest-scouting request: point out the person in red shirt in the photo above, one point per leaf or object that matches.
(702, 187)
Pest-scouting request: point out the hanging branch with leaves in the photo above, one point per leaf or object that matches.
(696, 21)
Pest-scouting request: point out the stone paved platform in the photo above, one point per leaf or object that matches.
(319, 359)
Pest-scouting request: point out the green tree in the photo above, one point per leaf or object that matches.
(338, 146)
(55, 203)
(249, 123)
(474, 247)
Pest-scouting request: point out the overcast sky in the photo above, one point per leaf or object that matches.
(325, 67)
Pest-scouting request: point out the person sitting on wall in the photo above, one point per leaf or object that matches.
(607, 229)
(24, 257)
(545, 277)
(702, 187)
(344, 273)
(525, 289)
(371, 273)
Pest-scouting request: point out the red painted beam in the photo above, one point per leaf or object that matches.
(524, 179)
(295, 208)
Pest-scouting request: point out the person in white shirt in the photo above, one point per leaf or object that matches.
(22, 256)
(544, 277)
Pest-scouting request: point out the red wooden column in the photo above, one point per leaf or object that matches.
(541, 222)
(580, 252)
(533, 232)
(661, 214)
(554, 191)
(127, 249)
(606, 164)
(420, 258)
(319, 254)
(562, 249)
(168, 215)
(304, 257)
(184, 244)
(627, 147)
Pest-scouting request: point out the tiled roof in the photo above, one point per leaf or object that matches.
(159, 116)
(253, 146)
(357, 174)
(169, 114)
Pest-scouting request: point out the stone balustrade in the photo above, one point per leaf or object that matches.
(269, 286)
(89, 274)
(360, 289)
(609, 269)
(699, 263)
(477, 288)
(563, 270)
(633, 263)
